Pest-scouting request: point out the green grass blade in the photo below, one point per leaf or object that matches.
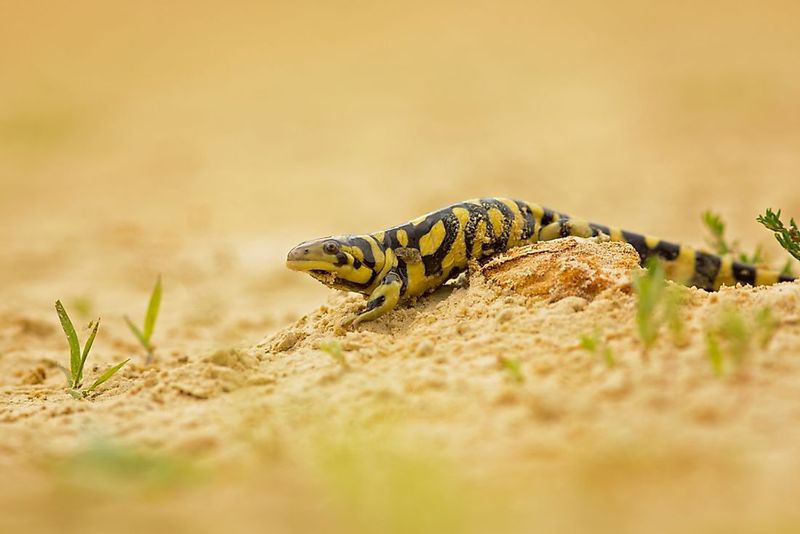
(86, 348)
(152, 312)
(512, 367)
(334, 350)
(714, 353)
(136, 332)
(108, 374)
(66, 373)
(608, 356)
(72, 339)
(649, 287)
(588, 342)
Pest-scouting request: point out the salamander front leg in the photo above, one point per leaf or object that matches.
(382, 300)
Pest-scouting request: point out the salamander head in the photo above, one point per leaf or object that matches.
(340, 262)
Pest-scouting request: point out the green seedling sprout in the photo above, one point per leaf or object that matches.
(716, 226)
(77, 360)
(108, 466)
(788, 238)
(733, 335)
(673, 303)
(512, 367)
(765, 325)
(593, 344)
(649, 287)
(334, 349)
(714, 353)
(146, 333)
(721, 246)
(657, 303)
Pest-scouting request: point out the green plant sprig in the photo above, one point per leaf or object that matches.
(593, 344)
(732, 336)
(649, 287)
(146, 333)
(77, 360)
(788, 238)
(512, 367)
(333, 348)
(657, 303)
(720, 244)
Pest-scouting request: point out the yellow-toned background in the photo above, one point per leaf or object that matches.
(200, 140)
(306, 117)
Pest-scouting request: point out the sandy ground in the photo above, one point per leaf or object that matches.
(201, 142)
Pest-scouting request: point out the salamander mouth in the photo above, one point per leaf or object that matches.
(326, 277)
(309, 266)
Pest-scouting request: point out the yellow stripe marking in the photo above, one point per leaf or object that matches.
(538, 213)
(480, 239)
(579, 228)
(402, 238)
(356, 252)
(390, 262)
(497, 220)
(430, 242)
(417, 281)
(765, 277)
(616, 234)
(377, 250)
(682, 269)
(725, 274)
(651, 242)
(457, 257)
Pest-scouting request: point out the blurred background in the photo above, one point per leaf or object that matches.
(305, 118)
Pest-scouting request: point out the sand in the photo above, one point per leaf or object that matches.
(202, 142)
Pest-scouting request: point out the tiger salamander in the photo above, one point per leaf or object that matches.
(419, 256)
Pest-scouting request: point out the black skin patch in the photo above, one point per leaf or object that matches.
(356, 263)
(706, 268)
(390, 239)
(366, 249)
(637, 241)
(743, 273)
(476, 215)
(402, 273)
(391, 278)
(376, 303)
(433, 262)
(668, 251)
(786, 278)
(341, 258)
(600, 229)
(547, 217)
(564, 227)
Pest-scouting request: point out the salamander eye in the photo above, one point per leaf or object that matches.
(330, 247)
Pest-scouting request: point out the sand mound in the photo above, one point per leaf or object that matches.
(565, 267)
